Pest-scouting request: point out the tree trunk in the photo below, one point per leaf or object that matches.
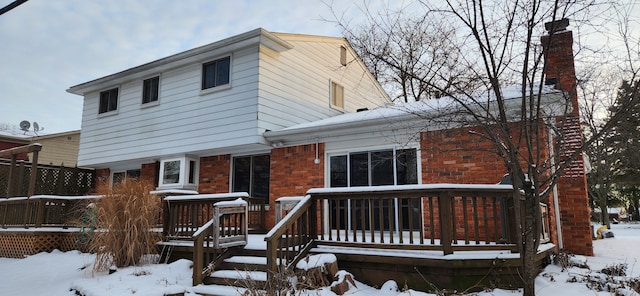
(530, 238)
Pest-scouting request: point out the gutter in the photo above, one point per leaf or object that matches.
(224, 46)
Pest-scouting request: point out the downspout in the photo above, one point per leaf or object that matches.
(556, 204)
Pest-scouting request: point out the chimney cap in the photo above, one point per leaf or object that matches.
(558, 25)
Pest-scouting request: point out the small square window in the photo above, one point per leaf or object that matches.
(179, 173)
(337, 95)
(171, 172)
(216, 73)
(108, 100)
(150, 90)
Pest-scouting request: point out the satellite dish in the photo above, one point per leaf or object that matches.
(36, 127)
(25, 125)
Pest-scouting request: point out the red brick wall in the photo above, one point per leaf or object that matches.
(455, 156)
(103, 180)
(293, 172)
(458, 156)
(214, 174)
(149, 173)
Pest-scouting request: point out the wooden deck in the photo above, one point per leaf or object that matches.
(428, 237)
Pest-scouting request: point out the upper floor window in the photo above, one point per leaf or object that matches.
(108, 100)
(337, 95)
(150, 90)
(216, 73)
(179, 173)
(251, 174)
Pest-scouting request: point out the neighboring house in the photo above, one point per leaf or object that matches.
(11, 139)
(57, 149)
(277, 114)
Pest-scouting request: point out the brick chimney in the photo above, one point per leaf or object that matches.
(559, 69)
(573, 201)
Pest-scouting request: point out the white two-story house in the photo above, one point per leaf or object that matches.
(275, 115)
(159, 121)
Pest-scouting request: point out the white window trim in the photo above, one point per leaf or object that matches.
(331, 104)
(113, 112)
(219, 87)
(338, 152)
(156, 102)
(182, 177)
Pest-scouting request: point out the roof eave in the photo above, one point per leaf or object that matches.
(251, 38)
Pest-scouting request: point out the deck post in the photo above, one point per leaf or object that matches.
(34, 173)
(12, 172)
(446, 230)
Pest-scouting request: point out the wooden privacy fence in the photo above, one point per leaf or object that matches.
(43, 211)
(438, 217)
(49, 180)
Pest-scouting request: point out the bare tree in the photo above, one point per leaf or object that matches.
(490, 46)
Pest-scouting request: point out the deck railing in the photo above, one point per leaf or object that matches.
(439, 217)
(44, 211)
(228, 228)
(184, 214)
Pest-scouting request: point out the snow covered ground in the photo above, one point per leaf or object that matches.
(57, 273)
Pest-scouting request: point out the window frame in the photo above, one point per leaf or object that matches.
(370, 177)
(124, 174)
(347, 206)
(110, 101)
(188, 173)
(252, 176)
(152, 101)
(336, 89)
(204, 88)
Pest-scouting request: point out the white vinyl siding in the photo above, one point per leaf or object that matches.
(269, 90)
(298, 79)
(186, 121)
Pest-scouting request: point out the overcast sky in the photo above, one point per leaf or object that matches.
(48, 46)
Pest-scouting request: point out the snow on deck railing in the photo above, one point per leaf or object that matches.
(413, 187)
(56, 197)
(43, 210)
(207, 196)
(436, 217)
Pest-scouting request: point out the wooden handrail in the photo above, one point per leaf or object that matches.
(42, 211)
(185, 213)
(228, 228)
(274, 237)
(445, 217)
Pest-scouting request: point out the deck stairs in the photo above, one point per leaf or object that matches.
(241, 268)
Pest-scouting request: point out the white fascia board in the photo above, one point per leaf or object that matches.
(198, 54)
(397, 118)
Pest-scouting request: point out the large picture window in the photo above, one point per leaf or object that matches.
(374, 168)
(108, 101)
(216, 73)
(251, 174)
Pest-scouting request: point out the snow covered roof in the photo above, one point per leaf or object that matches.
(391, 115)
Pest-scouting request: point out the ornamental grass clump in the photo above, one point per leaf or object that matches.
(126, 217)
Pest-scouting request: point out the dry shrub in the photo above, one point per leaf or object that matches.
(126, 216)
